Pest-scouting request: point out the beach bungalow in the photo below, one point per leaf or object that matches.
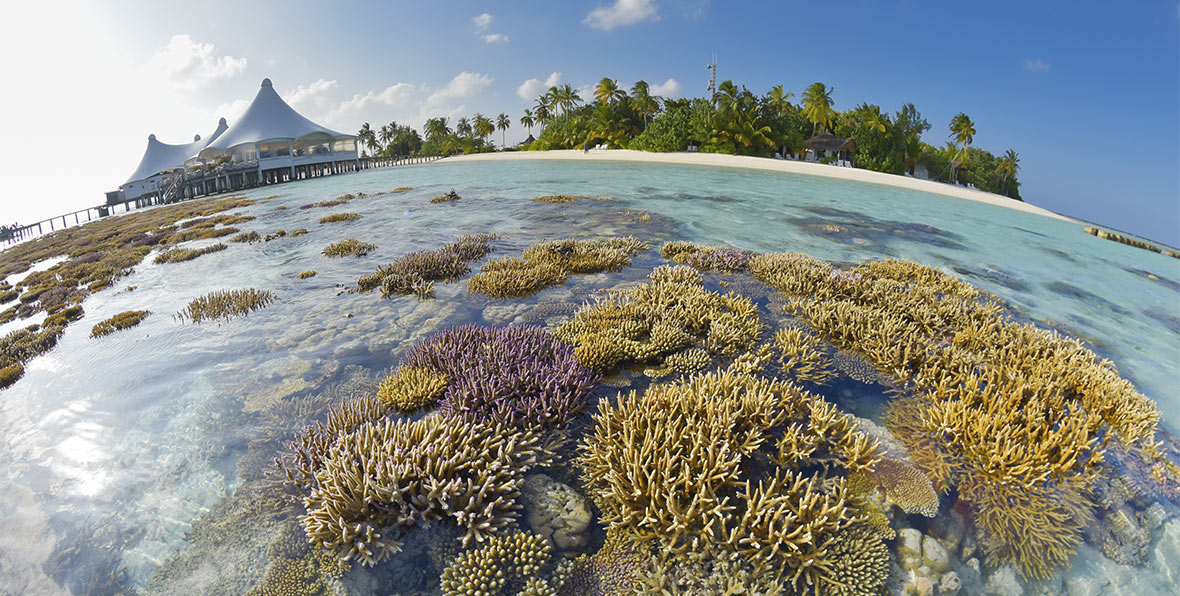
(826, 145)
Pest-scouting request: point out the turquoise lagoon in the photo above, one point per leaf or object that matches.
(114, 447)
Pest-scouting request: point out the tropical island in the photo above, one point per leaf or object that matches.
(733, 121)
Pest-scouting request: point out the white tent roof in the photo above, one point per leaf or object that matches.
(269, 118)
(159, 157)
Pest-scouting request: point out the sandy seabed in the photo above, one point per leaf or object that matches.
(771, 165)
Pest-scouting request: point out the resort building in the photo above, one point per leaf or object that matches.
(270, 143)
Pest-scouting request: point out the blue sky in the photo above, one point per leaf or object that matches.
(1088, 93)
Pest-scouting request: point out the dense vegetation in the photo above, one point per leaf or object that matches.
(734, 121)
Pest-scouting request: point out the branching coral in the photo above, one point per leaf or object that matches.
(384, 479)
(505, 564)
(671, 466)
(555, 199)
(412, 388)
(798, 357)
(339, 217)
(659, 317)
(721, 259)
(415, 272)
(306, 274)
(226, 304)
(516, 375)
(348, 247)
(122, 320)
(548, 263)
(178, 255)
(1014, 417)
(247, 237)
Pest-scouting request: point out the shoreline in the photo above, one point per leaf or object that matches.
(770, 165)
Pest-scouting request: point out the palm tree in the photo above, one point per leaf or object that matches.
(643, 101)
(962, 130)
(607, 91)
(502, 123)
(483, 126)
(367, 137)
(528, 120)
(386, 135)
(1007, 168)
(567, 98)
(911, 152)
(870, 115)
(776, 100)
(463, 127)
(817, 105)
(436, 128)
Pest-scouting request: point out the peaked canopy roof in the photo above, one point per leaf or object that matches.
(159, 157)
(268, 118)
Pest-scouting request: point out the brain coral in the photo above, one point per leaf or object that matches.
(515, 375)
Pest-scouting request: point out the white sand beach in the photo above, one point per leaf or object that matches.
(773, 165)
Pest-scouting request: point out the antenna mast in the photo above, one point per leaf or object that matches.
(712, 78)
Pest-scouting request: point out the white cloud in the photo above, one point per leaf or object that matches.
(312, 95)
(495, 38)
(668, 89)
(1035, 65)
(621, 14)
(482, 22)
(189, 65)
(231, 110)
(396, 95)
(533, 88)
(465, 84)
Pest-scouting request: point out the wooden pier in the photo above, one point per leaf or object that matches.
(192, 185)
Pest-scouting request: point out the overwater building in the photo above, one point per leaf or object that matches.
(270, 143)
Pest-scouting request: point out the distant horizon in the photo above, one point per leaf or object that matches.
(1048, 83)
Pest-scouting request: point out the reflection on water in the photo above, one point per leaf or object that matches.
(129, 459)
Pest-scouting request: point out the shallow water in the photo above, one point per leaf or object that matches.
(114, 446)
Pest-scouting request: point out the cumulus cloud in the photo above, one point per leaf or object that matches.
(621, 14)
(533, 88)
(313, 95)
(189, 65)
(398, 94)
(465, 84)
(495, 38)
(231, 110)
(482, 22)
(669, 89)
(1035, 65)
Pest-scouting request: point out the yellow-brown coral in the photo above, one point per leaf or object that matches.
(906, 487)
(349, 247)
(122, 320)
(503, 565)
(412, 388)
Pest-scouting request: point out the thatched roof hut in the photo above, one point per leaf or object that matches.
(830, 143)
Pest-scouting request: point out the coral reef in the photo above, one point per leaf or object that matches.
(402, 189)
(555, 199)
(275, 236)
(415, 272)
(412, 388)
(178, 255)
(11, 374)
(720, 259)
(298, 232)
(349, 247)
(306, 274)
(799, 357)
(224, 305)
(659, 317)
(383, 479)
(668, 466)
(122, 320)
(1014, 417)
(616, 569)
(247, 237)
(22, 345)
(519, 376)
(508, 563)
(339, 217)
(447, 198)
(548, 263)
(906, 487)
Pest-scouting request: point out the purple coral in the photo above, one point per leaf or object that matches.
(514, 375)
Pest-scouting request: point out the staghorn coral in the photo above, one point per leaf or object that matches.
(415, 272)
(307, 274)
(298, 232)
(247, 237)
(297, 467)
(661, 316)
(178, 255)
(275, 236)
(505, 564)
(667, 467)
(122, 320)
(11, 374)
(517, 375)
(720, 259)
(799, 358)
(690, 361)
(412, 388)
(224, 305)
(383, 479)
(1014, 417)
(348, 247)
(548, 263)
(335, 217)
(555, 199)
